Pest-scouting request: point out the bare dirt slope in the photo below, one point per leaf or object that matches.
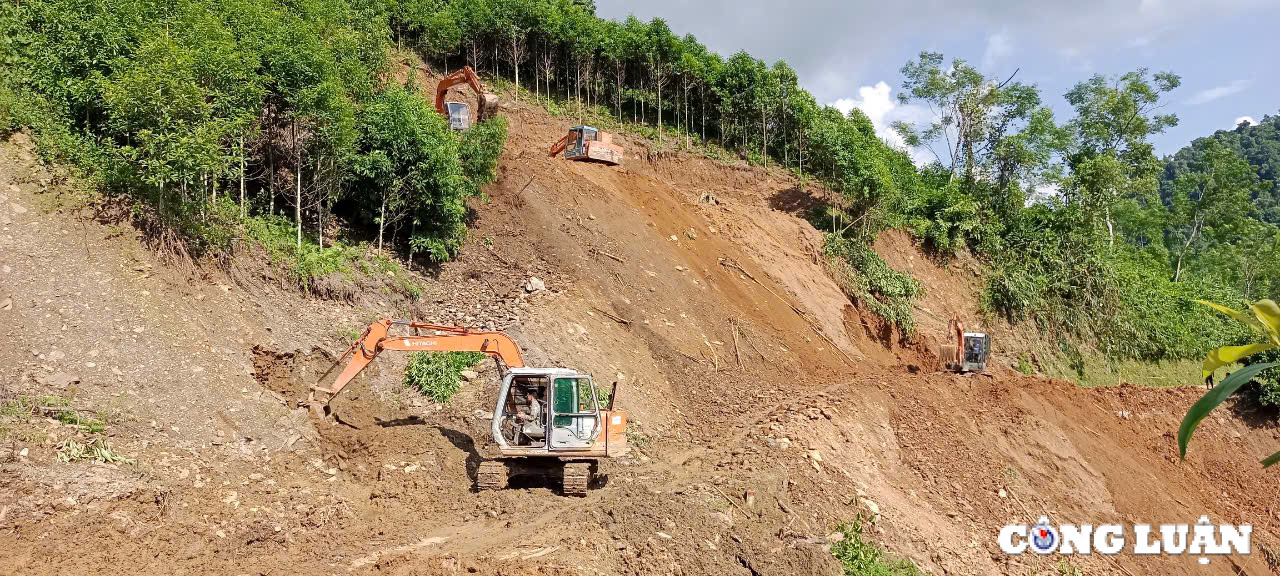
(743, 366)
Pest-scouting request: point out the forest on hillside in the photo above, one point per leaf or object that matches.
(286, 111)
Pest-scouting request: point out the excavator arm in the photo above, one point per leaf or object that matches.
(558, 147)
(377, 337)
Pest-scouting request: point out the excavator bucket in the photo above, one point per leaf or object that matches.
(488, 106)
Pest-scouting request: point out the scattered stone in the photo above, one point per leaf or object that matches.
(483, 415)
(535, 284)
(17, 208)
(469, 375)
(58, 380)
(619, 544)
(1002, 493)
(23, 453)
(872, 507)
(750, 498)
(6, 304)
(664, 535)
(56, 355)
(835, 537)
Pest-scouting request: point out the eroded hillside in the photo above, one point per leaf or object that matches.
(697, 286)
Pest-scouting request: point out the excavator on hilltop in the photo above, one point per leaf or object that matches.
(588, 144)
(547, 422)
(459, 113)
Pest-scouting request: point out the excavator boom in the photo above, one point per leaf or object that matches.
(558, 147)
(377, 337)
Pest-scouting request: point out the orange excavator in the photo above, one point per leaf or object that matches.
(588, 144)
(547, 422)
(968, 351)
(458, 113)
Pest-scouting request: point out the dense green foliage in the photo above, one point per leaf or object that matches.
(438, 374)
(860, 557)
(284, 108)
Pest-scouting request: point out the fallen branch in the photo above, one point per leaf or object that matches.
(735, 344)
(753, 346)
(613, 317)
(714, 358)
(599, 251)
(732, 501)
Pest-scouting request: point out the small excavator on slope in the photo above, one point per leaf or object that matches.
(968, 351)
(568, 434)
(588, 144)
(458, 113)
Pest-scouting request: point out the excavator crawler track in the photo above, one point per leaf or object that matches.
(577, 476)
(491, 475)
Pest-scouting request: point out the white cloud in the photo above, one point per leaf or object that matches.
(883, 109)
(999, 46)
(1248, 119)
(1218, 92)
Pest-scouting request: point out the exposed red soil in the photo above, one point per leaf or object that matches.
(776, 385)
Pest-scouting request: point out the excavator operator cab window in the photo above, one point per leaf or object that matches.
(575, 413)
(576, 139)
(976, 349)
(459, 115)
(521, 427)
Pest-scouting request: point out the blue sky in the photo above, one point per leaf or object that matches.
(849, 53)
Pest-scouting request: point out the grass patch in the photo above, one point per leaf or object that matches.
(1025, 366)
(277, 235)
(860, 557)
(437, 375)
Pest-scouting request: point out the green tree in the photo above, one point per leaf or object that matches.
(1211, 202)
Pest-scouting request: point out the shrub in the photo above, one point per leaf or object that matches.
(437, 374)
(862, 558)
(865, 276)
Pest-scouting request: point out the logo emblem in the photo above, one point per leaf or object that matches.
(1044, 538)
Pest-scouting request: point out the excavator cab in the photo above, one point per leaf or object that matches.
(571, 416)
(977, 347)
(578, 137)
